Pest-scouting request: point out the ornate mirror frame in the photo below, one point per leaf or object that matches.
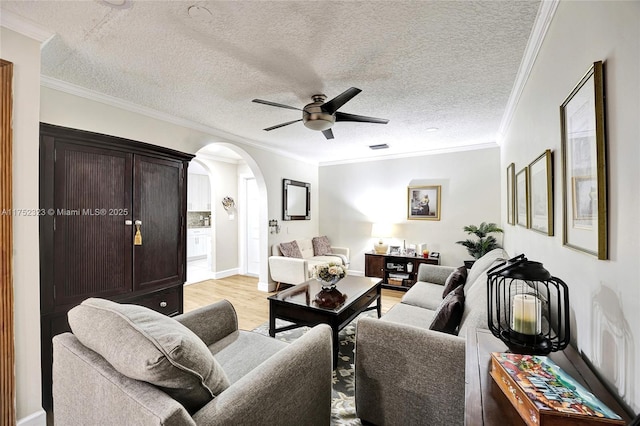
(296, 200)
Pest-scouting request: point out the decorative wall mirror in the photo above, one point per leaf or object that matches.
(296, 200)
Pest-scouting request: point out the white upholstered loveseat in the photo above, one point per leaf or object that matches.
(296, 270)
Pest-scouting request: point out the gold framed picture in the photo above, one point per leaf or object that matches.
(584, 166)
(541, 193)
(522, 197)
(424, 202)
(511, 190)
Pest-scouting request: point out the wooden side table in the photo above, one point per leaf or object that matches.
(486, 404)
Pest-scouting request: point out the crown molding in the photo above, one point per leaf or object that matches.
(437, 151)
(220, 135)
(539, 31)
(25, 27)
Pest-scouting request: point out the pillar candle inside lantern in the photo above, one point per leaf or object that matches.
(525, 314)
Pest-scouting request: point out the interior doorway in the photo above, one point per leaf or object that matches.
(252, 244)
(200, 259)
(238, 241)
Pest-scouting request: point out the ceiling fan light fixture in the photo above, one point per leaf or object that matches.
(318, 121)
(321, 115)
(315, 118)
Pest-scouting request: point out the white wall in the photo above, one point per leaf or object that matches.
(25, 55)
(353, 196)
(605, 295)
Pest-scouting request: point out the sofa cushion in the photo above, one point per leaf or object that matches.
(482, 265)
(290, 249)
(447, 316)
(424, 295)
(456, 278)
(145, 345)
(306, 247)
(402, 313)
(321, 246)
(242, 351)
(475, 310)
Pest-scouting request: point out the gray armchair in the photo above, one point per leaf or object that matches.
(269, 382)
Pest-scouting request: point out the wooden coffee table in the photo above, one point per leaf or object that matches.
(297, 305)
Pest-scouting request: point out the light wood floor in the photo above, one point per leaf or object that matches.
(250, 303)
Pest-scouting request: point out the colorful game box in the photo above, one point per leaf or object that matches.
(543, 394)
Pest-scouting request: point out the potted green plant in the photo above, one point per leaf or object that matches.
(484, 242)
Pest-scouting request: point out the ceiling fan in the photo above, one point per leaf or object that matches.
(320, 115)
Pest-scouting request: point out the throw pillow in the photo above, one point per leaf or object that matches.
(290, 249)
(449, 313)
(145, 345)
(456, 278)
(321, 246)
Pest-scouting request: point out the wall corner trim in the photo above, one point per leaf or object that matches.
(540, 27)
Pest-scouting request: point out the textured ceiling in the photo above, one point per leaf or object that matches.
(449, 65)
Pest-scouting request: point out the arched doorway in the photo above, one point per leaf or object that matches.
(239, 241)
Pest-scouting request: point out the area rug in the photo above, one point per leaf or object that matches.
(343, 407)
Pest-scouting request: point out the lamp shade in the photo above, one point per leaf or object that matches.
(528, 309)
(381, 230)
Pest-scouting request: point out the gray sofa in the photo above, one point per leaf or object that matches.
(268, 382)
(407, 374)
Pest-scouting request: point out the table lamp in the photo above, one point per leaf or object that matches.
(380, 231)
(528, 309)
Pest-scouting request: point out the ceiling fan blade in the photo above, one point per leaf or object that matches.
(328, 134)
(277, 126)
(343, 116)
(260, 101)
(335, 103)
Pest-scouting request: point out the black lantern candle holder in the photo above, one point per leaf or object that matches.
(528, 309)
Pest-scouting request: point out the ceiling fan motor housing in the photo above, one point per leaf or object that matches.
(314, 117)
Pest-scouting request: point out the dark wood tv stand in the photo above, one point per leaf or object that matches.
(386, 266)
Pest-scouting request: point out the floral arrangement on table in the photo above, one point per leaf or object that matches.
(329, 273)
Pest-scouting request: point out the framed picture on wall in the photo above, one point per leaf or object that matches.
(541, 193)
(511, 199)
(522, 197)
(584, 166)
(424, 202)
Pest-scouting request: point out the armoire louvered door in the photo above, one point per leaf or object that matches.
(96, 191)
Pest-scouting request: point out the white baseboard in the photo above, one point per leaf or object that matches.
(39, 418)
(266, 287)
(224, 274)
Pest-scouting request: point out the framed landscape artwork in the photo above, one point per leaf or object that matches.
(541, 193)
(522, 197)
(584, 166)
(511, 199)
(424, 202)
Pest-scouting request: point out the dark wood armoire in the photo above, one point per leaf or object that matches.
(96, 193)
